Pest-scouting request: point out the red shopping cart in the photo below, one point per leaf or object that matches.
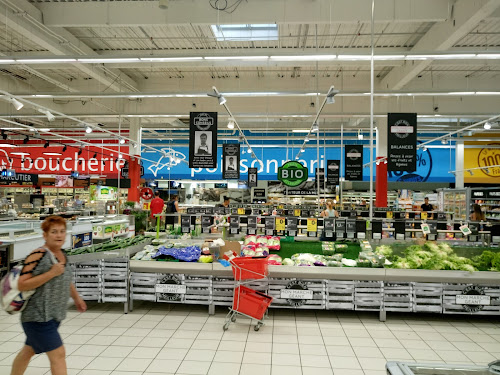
(249, 302)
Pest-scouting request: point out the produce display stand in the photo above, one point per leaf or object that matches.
(329, 288)
(402, 368)
(248, 302)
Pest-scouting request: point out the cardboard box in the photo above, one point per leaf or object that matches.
(231, 246)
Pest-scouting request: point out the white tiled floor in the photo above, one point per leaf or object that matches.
(176, 339)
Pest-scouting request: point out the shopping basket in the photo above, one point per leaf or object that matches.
(250, 302)
(246, 268)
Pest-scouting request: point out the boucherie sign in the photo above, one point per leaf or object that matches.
(34, 161)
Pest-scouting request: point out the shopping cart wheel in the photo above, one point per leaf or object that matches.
(226, 326)
(257, 327)
(233, 319)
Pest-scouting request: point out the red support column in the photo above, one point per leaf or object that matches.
(381, 183)
(134, 173)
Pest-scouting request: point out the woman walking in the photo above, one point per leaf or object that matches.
(45, 270)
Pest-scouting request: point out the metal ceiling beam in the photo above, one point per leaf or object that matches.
(147, 13)
(441, 37)
(27, 20)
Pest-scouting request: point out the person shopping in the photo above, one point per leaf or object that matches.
(329, 211)
(46, 308)
(477, 214)
(156, 207)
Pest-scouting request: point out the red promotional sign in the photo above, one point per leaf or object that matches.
(34, 160)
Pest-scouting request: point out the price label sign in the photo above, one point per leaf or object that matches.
(423, 215)
(292, 226)
(241, 211)
(296, 212)
(389, 215)
(185, 223)
(280, 207)
(206, 222)
(465, 230)
(425, 228)
(312, 225)
(280, 224)
(270, 223)
(329, 227)
(252, 225)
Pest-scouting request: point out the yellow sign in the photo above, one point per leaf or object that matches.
(280, 207)
(312, 225)
(389, 215)
(280, 224)
(296, 212)
(145, 205)
(241, 211)
(423, 215)
(481, 163)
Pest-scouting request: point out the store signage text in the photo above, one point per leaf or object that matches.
(292, 173)
(473, 299)
(402, 142)
(170, 288)
(296, 293)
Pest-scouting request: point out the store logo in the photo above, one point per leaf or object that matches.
(473, 299)
(169, 158)
(203, 121)
(292, 173)
(489, 160)
(296, 293)
(353, 154)
(171, 288)
(402, 129)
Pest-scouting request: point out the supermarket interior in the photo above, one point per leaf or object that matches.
(255, 187)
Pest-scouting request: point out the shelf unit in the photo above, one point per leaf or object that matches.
(454, 201)
(488, 199)
(353, 198)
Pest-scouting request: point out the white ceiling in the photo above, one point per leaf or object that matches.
(139, 28)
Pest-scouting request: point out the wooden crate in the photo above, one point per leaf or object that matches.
(428, 297)
(450, 291)
(340, 295)
(142, 286)
(398, 296)
(115, 275)
(368, 295)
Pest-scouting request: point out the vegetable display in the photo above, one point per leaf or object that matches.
(117, 243)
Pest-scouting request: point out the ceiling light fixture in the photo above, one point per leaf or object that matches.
(471, 173)
(360, 136)
(16, 103)
(306, 138)
(487, 125)
(230, 123)
(47, 113)
(331, 94)
(122, 141)
(302, 150)
(315, 127)
(424, 149)
(88, 129)
(444, 141)
(216, 94)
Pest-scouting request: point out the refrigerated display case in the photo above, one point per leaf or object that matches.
(488, 199)
(454, 201)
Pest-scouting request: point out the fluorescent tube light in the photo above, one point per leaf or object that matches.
(354, 57)
(300, 131)
(304, 58)
(44, 61)
(109, 60)
(167, 59)
(236, 57)
(7, 61)
(488, 56)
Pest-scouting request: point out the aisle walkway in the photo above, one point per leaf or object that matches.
(176, 339)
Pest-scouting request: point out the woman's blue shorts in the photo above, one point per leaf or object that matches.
(42, 336)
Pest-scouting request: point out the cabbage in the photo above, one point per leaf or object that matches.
(288, 262)
(384, 250)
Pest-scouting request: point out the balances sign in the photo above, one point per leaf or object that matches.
(292, 173)
(402, 142)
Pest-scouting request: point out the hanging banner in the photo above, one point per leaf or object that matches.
(320, 177)
(482, 160)
(231, 161)
(252, 177)
(354, 162)
(332, 173)
(402, 142)
(203, 140)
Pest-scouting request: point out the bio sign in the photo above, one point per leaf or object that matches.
(292, 173)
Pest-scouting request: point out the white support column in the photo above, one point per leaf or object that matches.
(459, 164)
(135, 135)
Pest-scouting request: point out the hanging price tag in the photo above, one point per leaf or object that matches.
(296, 212)
(425, 228)
(241, 211)
(312, 225)
(465, 230)
(423, 215)
(280, 224)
